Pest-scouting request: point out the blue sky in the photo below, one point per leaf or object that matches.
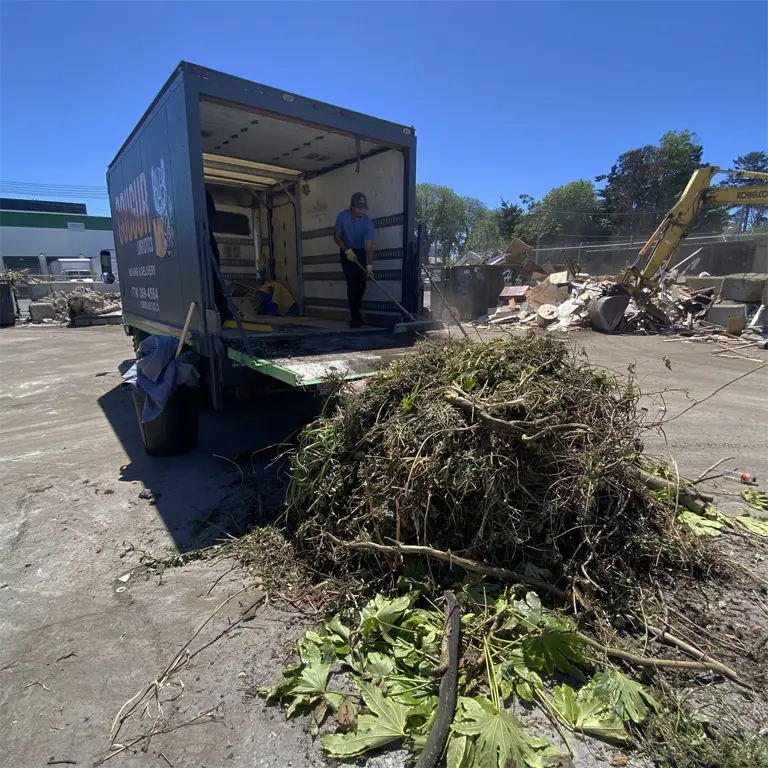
(505, 97)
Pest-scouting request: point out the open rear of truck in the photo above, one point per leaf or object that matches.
(279, 168)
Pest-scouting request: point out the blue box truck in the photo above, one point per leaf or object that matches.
(278, 167)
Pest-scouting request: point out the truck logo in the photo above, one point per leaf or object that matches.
(152, 231)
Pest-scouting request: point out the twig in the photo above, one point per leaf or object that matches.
(42, 685)
(502, 425)
(226, 573)
(160, 754)
(712, 394)
(61, 762)
(643, 661)
(133, 702)
(710, 469)
(695, 653)
(502, 574)
(156, 732)
(242, 477)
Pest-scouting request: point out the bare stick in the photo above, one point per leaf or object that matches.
(710, 469)
(695, 653)
(712, 394)
(502, 574)
(133, 702)
(643, 661)
(184, 330)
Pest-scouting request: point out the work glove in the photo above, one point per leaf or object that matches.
(370, 270)
(350, 254)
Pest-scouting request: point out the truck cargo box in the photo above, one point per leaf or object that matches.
(279, 168)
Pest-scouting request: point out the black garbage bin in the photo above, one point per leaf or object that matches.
(174, 431)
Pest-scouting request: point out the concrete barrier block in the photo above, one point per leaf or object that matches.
(697, 283)
(718, 314)
(747, 287)
(40, 312)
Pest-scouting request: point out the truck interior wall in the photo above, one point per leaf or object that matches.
(381, 179)
(284, 240)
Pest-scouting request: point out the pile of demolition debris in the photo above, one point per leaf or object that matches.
(466, 468)
(76, 306)
(687, 305)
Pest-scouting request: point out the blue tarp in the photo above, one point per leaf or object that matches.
(155, 374)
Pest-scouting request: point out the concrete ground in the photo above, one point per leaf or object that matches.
(83, 626)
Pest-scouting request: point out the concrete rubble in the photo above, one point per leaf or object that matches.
(80, 303)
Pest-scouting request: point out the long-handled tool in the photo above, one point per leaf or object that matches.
(416, 324)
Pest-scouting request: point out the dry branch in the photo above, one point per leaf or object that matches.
(500, 574)
(704, 665)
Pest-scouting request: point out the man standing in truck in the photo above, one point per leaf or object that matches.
(354, 236)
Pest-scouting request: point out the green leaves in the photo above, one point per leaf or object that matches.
(754, 524)
(756, 499)
(499, 737)
(381, 615)
(392, 650)
(589, 711)
(699, 525)
(553, 649)
(306, 683)
(385, 723)
(630, 699)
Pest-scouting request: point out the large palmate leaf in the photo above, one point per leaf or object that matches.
(553, 649)
(382, 615)
(630, 699)
(589, 711)
(499, 737)
(698, 524)
(385, 723)
(754, 524)
(306, 682)
(756, 499)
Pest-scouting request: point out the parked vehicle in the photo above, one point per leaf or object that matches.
(279, 168)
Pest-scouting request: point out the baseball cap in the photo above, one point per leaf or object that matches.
(359, 201)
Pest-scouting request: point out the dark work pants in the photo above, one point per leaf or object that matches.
(356, 282)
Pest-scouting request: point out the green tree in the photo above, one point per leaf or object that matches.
(572, 209)
(486, 237)
(645, 183)
(440, 212)
(474, 214)
(508, 215)
(748, 218)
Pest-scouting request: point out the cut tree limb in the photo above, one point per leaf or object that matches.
(501, 574)
(687, 497)
(447, 695)
(705, 664)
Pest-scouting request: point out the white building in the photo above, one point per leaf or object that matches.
(35, 234)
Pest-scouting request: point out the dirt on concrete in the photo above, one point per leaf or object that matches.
(78, 639)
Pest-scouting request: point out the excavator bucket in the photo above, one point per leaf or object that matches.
(606, 312)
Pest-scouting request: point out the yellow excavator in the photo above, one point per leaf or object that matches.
(664, 244)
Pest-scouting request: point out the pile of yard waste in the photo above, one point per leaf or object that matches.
(509, 555)
(512, 454)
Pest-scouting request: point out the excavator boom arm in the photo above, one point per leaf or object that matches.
(665, 242)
